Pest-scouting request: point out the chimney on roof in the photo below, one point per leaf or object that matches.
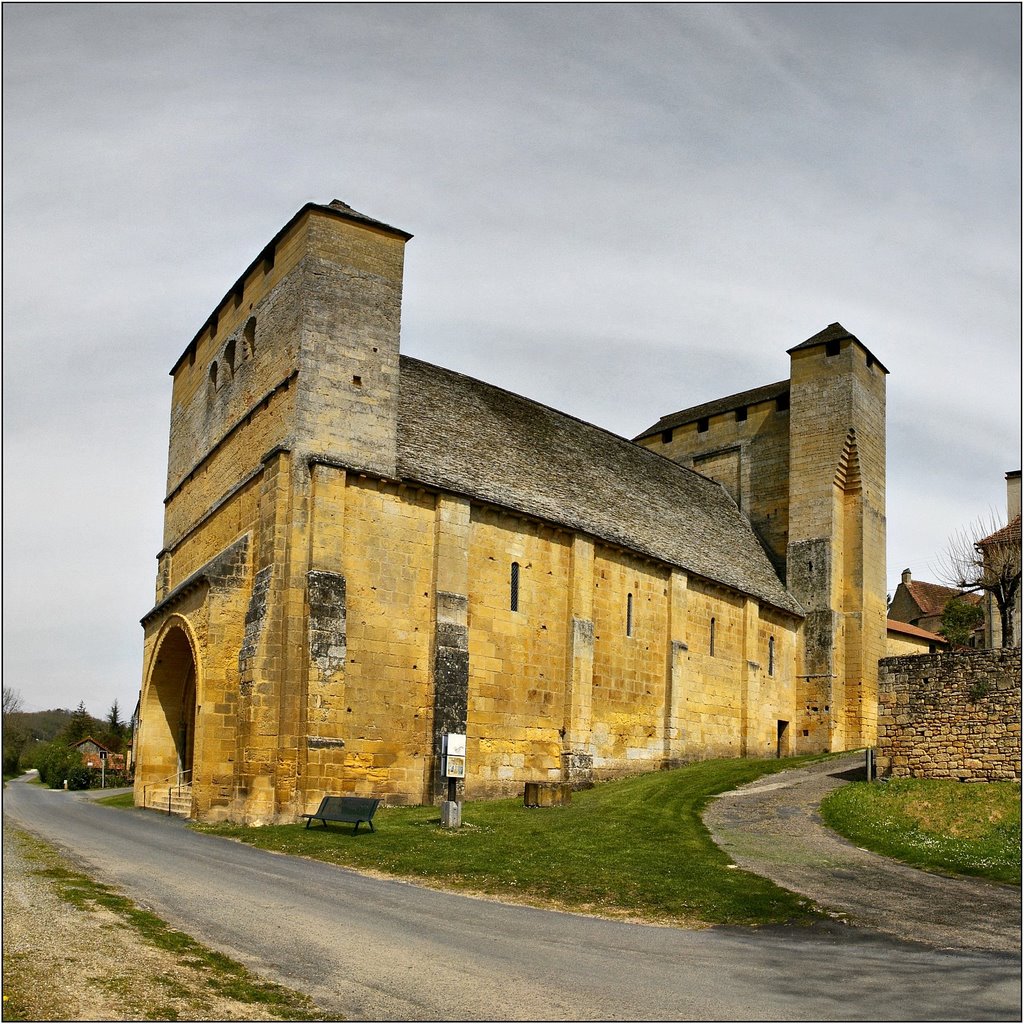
(1012, 495)
(906, 577)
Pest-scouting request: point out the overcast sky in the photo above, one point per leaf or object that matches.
(618, 210)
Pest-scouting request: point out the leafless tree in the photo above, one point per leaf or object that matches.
(987, 556)
(12, 702)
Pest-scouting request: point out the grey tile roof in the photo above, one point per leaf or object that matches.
(697, 412)
(464, 436)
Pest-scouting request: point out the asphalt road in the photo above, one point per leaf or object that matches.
(367, 948)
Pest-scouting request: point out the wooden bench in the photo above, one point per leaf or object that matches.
(345, 808)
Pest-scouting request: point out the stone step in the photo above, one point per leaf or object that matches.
(179, 804)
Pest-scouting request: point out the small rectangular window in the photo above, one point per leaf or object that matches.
(831, 348)
(741, 415)
(514, 587)
(782, 402)
(666, 436)
(702, 425)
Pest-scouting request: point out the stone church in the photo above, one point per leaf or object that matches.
(363, 552)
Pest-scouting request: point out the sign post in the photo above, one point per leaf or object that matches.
(453, 767)
(103, 769)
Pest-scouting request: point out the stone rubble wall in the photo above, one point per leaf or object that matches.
(951, 716)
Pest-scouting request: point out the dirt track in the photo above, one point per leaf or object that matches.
(772, 827)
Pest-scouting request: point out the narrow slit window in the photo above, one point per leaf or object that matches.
(629, 615)
(514, 587)
(213, 377)
(771, 655)
(711, 640)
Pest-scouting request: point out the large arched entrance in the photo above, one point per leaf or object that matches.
(166, 743)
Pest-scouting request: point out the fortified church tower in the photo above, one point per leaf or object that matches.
(804, 459)
(294, 376)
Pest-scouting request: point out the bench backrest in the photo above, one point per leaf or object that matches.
(348, 806)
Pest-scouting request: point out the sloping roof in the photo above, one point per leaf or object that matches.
(905, 628)
(474, 439)
(834, 332)
(95, 743)
(1007, 535)
(767, 393)
(932, 598)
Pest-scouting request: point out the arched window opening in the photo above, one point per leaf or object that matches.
(229, 356)
(711, 640)
(213, 377)
(629, 615)
(771, 655)
(250, 336)
(514, 587)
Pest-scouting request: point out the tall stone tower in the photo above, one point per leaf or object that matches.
(804, 459)
(835, 558)
(291, 383)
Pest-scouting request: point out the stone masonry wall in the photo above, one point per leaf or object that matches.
(951, 716)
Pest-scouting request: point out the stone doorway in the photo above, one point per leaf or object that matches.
(167, 728)
(781, 738)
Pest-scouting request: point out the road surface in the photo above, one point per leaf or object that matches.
(368, 948)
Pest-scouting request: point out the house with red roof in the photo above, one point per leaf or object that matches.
(920, 604)
(95, 753)
(902, 639)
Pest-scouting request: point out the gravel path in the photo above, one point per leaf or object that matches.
(772, 827)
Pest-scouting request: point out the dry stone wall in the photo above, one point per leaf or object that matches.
(951, 716)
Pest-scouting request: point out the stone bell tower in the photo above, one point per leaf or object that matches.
(835, 564)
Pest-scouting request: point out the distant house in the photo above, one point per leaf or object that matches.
(901, 638)
(94, 753)
(921, 604)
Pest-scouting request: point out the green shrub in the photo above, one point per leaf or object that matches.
(12, 762)
(56, 762)
(79, 777)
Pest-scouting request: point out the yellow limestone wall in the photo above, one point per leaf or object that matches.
(750, 458)
(517, 675)
(629, 685)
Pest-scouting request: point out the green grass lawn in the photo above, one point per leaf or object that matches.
(121, 800)
(935, 824)
(633, 847)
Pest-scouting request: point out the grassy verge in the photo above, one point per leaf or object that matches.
(935, 824)
(635, 847)
(201, 974)
(123, 800)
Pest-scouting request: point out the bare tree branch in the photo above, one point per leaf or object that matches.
(987, 556)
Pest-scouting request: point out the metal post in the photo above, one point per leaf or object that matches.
(869, 763)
